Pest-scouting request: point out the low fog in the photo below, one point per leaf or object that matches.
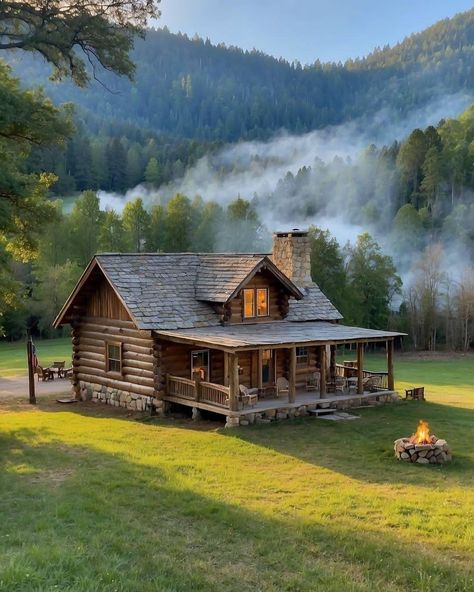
(256, 171)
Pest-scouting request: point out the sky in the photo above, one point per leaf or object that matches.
(305, 30)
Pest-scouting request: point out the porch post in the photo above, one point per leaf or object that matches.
(259, 369)
(226, 368)
(292, 376)
(323, 364)
(360, 368)
(332, 363)
(233, 381)
(390, 375)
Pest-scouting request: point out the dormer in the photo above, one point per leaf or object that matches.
(245, 288)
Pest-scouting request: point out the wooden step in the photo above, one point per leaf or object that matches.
(322, 411)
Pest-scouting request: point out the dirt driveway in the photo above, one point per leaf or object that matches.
(17, 387)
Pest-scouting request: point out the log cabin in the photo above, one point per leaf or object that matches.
(248, 336)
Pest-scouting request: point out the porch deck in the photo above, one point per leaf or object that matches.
(302, 398)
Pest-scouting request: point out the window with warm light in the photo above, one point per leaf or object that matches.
(249, 304)
(262, 302)
(255, 303)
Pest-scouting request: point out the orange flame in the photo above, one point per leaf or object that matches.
(422, 434)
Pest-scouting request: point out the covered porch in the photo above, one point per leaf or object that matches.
(244, 369)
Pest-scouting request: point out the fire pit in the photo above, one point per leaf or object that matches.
(422, 447)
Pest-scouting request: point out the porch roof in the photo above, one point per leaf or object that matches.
(274, 334)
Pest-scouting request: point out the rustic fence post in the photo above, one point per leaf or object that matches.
(31, 371)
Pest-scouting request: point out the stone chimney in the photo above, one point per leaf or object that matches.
(292, 255)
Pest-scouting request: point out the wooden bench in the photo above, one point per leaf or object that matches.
(416, 393)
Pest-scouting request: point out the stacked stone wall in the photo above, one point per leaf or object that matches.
(119, 398)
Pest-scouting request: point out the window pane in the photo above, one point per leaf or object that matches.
(301, 355)
(262, 302)
(114, 358)
(249, 310)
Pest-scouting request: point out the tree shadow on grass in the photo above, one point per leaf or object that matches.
(363, 448)
(105, 523)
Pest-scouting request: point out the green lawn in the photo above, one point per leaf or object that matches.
(13, 355)
(93, 500)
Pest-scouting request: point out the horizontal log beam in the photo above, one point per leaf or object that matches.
(116, 384)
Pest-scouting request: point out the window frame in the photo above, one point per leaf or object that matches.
(201, 351)
(250, 291)
(108, 358)
(302, 359)
(254, 295)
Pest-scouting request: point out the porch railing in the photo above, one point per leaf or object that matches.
(180, 387)
(349, 371)
(214, 393)
(197, 390)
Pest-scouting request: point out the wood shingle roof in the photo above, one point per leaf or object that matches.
(168, 291)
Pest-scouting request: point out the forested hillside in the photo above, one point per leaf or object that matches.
(190, 88)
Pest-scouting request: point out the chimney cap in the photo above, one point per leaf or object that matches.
(289, 233)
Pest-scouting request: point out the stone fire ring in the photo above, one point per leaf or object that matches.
(435, 453)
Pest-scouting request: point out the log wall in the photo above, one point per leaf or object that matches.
(140, 371)
(175, 359)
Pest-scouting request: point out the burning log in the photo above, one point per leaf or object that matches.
(422, 447)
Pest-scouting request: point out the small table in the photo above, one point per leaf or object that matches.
(264, 391)
(57, 367)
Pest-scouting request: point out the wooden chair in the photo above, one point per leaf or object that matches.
(67, 372)
(340, 384)
(282, 386)
(417, 393)
(313, 381)
(44, 373)
(249, 396)
(372, 383)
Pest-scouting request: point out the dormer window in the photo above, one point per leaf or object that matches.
(262, 302)
(255, 302)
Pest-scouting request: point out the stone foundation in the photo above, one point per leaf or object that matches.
(252, 416)
(110, 396)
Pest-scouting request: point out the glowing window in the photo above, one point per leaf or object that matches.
(249, 304)
(114, 357)
(262, 302)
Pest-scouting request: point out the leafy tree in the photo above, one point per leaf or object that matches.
(242, 231)
(27, 118)
(54, 283)
(136, 222)
(69, 33)
(112, 237)
(327, 266)
(372, 281)
(179, 224)
(212, 220)
(85, 223)
(156, 234)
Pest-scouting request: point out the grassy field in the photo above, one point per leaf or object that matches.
(13, 355)
(92, 499)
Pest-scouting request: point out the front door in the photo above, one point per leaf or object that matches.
(268, 367)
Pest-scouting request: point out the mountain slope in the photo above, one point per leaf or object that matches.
(190, 88)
